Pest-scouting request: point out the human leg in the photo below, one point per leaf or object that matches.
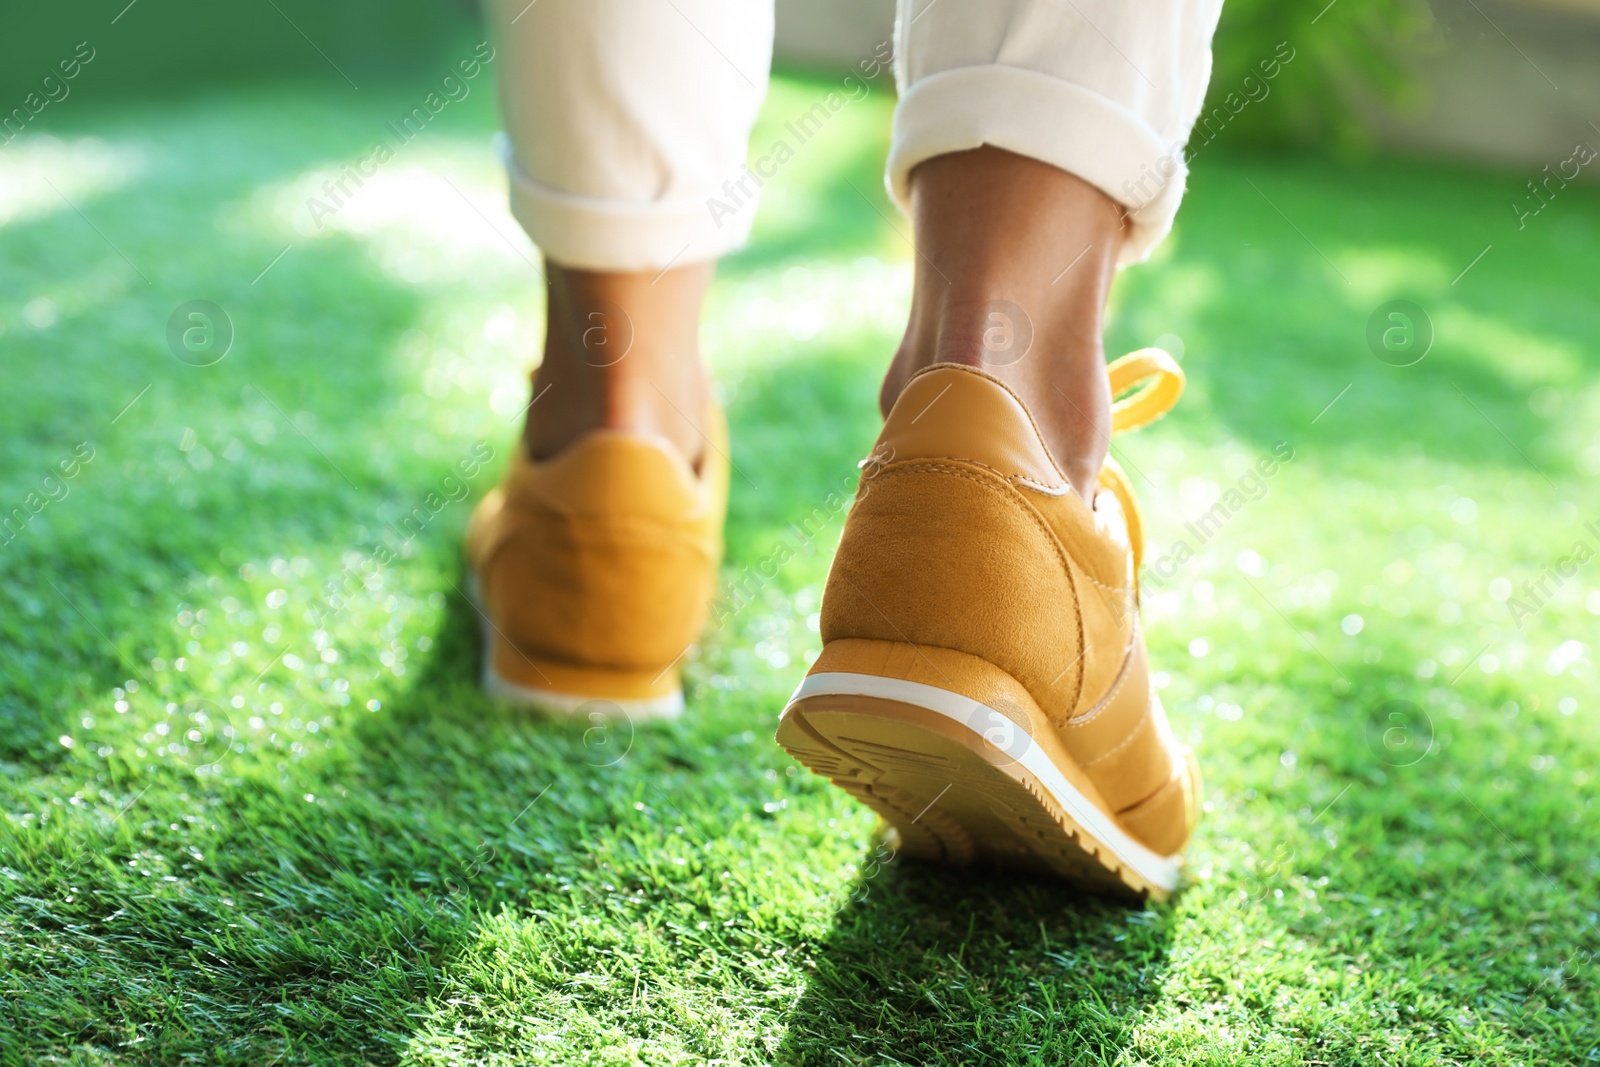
(1036, 148)
(596, 559)
(622, 122)
(983, 681)
(1015, 257)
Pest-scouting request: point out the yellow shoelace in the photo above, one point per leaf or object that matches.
(1159, 382)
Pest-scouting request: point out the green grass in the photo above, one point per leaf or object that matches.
(248, 825)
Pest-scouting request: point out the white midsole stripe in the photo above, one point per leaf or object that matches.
(571, 705)
(1159, 869)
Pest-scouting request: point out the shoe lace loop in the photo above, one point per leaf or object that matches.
(1160, 382)
(1156, 382)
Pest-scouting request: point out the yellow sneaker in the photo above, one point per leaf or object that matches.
(594, 571)
(983, 683)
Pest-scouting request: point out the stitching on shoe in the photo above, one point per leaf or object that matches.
(986, 376)
(1105, 701)
(1121, 590)
(915, 467)
(511, 522)
(905, 467)
(1125, 742)
(1027, 483)
(996, 471)
(1175, 782)
(1039, 487)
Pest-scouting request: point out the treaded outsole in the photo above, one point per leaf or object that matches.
(949, 796)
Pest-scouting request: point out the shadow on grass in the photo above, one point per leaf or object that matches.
(928, 965)
(341, 889)
(924, 964)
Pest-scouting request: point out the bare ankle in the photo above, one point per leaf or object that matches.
(621, 353)
(1014, 261)
(1063, 386)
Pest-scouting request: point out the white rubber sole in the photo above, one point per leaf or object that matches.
(574, 706)
(1162, 872)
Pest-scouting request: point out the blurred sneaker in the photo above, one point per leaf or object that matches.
(594, 571)
(983, 683)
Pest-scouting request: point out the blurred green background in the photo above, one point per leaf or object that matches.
(185, 46)
(243, 828)
(1497, 80)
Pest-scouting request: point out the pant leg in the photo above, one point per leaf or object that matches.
(1104, 89)
(624, 119)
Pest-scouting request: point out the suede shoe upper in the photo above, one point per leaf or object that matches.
(966, 535)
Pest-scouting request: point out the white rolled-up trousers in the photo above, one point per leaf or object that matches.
(628, 121)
